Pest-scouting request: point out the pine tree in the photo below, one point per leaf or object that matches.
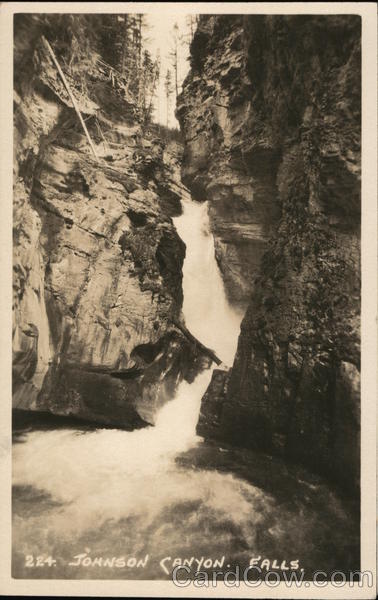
(168, 91)
(191, 22)
(155, 80)
(125, 44)
(113, 41)
(173, 54)
(139, 27)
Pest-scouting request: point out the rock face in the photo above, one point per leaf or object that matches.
(97, 260)
(271, 117)
(223, 160)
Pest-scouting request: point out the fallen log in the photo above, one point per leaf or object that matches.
(72, 97)
(208, 351)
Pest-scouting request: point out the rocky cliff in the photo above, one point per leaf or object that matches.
(270, 113)
(97, 260)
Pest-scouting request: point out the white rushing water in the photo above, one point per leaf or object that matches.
(110, 473)
(111, 493)
(207, 312)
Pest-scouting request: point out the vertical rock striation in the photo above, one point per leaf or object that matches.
(271, 118)
(97, 260)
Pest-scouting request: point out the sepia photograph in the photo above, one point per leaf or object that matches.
(186, 308)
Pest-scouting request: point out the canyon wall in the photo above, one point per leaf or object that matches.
(97, 260)
(270, 113)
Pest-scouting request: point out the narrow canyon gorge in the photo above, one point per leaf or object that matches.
(191, 297)
(277, 154)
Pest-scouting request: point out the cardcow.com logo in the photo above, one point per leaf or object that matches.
(254, 576)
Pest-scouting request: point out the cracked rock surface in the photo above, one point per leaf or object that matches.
(271, 119)
(97, 261)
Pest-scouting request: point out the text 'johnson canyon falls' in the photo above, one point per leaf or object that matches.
(186, 301)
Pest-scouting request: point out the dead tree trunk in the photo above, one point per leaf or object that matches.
(65, 82)
(210, 353)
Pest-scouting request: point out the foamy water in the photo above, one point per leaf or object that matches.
(114, 493)
(208, 314)
(110, 473)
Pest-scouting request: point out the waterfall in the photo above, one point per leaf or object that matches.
(207, 312)
(208, 315)
(141, 494)
(131, 463)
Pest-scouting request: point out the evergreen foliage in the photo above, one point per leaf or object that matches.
(85, 42)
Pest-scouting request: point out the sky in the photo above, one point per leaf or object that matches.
(159, 34)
